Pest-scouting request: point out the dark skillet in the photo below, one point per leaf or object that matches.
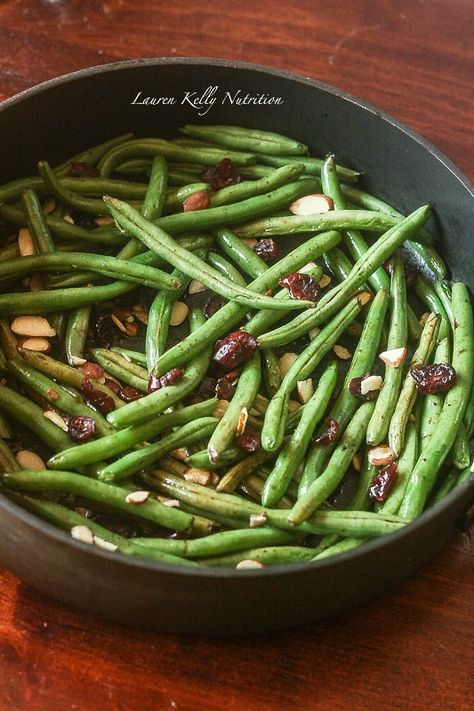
(65, 115)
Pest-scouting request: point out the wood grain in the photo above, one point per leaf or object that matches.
(411, 649)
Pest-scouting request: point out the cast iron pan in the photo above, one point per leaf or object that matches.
(65, 115)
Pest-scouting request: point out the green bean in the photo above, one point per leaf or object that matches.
(360, 500)
(332, 301)
(113, 496)
(76, 333)
(92, 155)
(68, 400)
(347, 544)
(444, 295)
(8, 340)
(226, 268)
(242, 400)
(118, 442)
(447, 485)
(140, 459)
(337, 264)
(293, 452)
(36, 223)
(269, 555)
(176, 197)
(434, 454)
(275, 416)
(397, 338)
(8, 461)
(134, 356)
(155, 197)
(162, 244)
(242, 254)
(405, 465)
(201, 459)
(461, 451)
(312, 165)
(10, 192)
(337, 466)
(408, 393)
(9, 252)
(141, 166)
(346, 403)
(161, 399)
(246, 139)
(121, 368)
(271, 371)
(32, 417)
(248, 189)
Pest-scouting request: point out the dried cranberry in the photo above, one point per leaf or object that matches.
(129, 394)
(81, 428)
(83, 170)
(249, 441)
(435, 378)
(383, 482)
(221, 175)
(92, 370)
(197, 201)
(212, 305)
(224, 390)
(301, 286)
(328, 435)
(234, 349)
(104, 328)
(355, 388)
(267, 249)
(112, 385)
(156, 382)
(98, 399)
(205, 391)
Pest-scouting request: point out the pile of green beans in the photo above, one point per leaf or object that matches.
(121, 268)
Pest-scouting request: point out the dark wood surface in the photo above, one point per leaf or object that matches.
(410, 649)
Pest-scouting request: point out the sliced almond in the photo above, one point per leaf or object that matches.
(68, 218)
(26, 246)
(29, 460)
(305, 389)
(140, 313)
(37, 326)
(40, 345)
(242, 422)
(342, 352)
(312, 204)
(324, 281)
(364, 297)
(137, 497)
(313, 333)
(251, 242)
(257, 520)
(286, 361)
(76, 360)
(48, 206)
(178, 313)
(181, 454)
(370, 383)
(423, 318)
(82, 533)
(380, 455)
(103, 221)
(195, 287)
(394, 357)
(105, 545)
(199, 476)
(249, 564)
(220, 409)
(307, 268)
(357, 462)
(56, 419)
(118, 323)
(172, 503)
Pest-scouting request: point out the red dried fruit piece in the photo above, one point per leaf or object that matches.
(113, 385)
(234, 349)
(92, 370)
(434, 378)
(301, 286)
(156, 382)
(212, 305)
(102, 402)
(267, 249)
(221, 175)
(249, 441)
(383, 483)
(104, 327)
(328, 435)
(197, 201)
(355, 388)
(83, 170)
(129, 393)
(205, 391)
(224, 390)
(81, 428)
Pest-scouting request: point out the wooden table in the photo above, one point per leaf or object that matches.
(410, 649)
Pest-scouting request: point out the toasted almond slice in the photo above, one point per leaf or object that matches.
(249, 564)
(364, 297)
(305, 389)
(220, 409)
(82, 533)
(37, 326)
(40, 345)
(137, 497)
(56, 419)
(77, 360)
(172, 503)
(312, 204)
(68, 218)
(370, 383)
(394, 357)
(286, 361)
(105, 545)
(118, 323)
(29, 460)
(140, 313)
(199, 476)
(48, 206)
(195, 287)
(313, 333)
(242, 422)
(324, 281)
(178, 313)
(342, 352)
(26, 245)
(357, 462)
(423, 318)
(380, 455)
(181, 454)
(103, 221)
(251, 242)
(257, 520)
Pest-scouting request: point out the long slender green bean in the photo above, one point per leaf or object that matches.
(249, 139)
(36, 223)
(76, 334)
(248, 189)
(121, 368)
